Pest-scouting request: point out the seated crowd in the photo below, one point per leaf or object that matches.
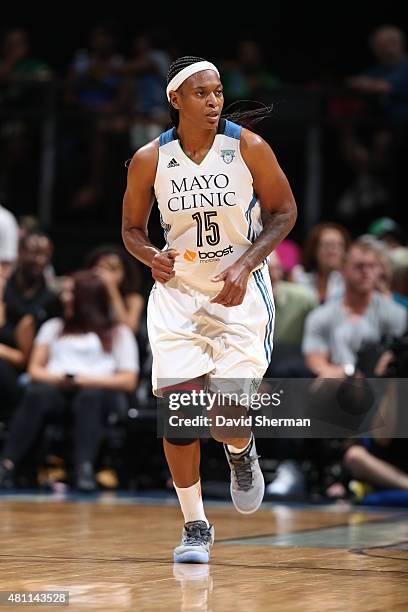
(69, 353)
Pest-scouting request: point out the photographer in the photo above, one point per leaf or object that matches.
(379, 461)
(335, 334)
(336, 331)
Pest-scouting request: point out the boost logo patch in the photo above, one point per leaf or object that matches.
(190, 255)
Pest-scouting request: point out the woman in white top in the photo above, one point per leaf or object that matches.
(84, 362)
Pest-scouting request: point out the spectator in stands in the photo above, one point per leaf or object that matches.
(16, 338)
(120, 275)
(376, 146)
(384, 270)
(30, 224)
(94, 89)
(367, 151)
(94, 77)
(392, 280)
(8, 242)
(146, 72)
(388, 231)
(336, 331)
(247, 77)
(293, 302)
(323, 258)
(16, 331)
(289, 254)
(83, 360)
(382, 463)
(26, 291)
(16, 63)
(399, 275)
(389, 78)
(21, 93)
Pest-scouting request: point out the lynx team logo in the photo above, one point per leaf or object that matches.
(227, 155)
(254, 386)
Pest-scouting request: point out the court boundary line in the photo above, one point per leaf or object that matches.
(155, 561)
(394, 518)
(365, 552)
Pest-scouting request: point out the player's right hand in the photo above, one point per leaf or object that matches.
(163, 265)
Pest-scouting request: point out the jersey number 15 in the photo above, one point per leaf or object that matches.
(213, 237)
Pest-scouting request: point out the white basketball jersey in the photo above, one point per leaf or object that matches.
(209, 211)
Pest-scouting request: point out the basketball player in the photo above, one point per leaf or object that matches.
(211, 312)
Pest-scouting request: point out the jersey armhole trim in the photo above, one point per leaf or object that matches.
(166, 137)
(233, 130)
(244, 162)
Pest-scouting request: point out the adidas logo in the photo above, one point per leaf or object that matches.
(173, 163)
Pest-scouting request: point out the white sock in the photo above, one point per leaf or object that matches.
(236, 450)
(191, 503)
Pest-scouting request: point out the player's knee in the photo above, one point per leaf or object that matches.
(181, 441)
(180, 404)
(187, 386)
(219, 434)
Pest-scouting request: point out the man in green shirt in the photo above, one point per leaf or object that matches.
(293, 302)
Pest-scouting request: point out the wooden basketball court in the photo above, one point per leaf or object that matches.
(115, 553)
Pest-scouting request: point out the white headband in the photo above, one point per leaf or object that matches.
(188, 72)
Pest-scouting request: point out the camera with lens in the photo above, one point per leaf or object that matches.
(370, 354)
(398, 367)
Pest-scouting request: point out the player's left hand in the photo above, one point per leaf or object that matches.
(235, 279)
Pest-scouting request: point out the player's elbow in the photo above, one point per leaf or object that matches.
(125, 236)
(129, 234)
(289, 210)
(292, 213)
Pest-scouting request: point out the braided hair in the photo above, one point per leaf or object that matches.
(246, 118)
(177, 66)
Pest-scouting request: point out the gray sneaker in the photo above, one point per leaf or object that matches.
(196, 540)
(247, 481)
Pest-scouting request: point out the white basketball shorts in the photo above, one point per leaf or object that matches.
(190, 336)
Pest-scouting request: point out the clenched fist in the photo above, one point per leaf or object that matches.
(163, 265)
